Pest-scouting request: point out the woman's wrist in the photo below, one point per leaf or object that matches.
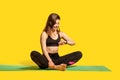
(66, 42)
(50, 61)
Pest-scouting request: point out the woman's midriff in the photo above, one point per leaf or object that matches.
(52, 49)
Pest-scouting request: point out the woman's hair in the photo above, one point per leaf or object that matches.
(51, 22)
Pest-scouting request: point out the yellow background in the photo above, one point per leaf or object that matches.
(92, 24)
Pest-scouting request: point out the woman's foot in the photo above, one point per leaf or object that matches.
(64, 65)
(60, 67)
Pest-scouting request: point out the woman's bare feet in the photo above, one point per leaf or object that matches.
(64, 65)
(60, 67)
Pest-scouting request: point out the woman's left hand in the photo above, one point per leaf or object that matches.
(62, 42)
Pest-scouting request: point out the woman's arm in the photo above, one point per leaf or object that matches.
(44, 50)
(67, 39)
(43, 45)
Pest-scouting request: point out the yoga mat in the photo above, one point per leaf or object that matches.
(69, 68)
(88, 68)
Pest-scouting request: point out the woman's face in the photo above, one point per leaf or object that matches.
(56, 25)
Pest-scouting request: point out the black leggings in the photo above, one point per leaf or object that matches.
(68, 59)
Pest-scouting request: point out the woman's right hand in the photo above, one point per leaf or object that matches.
(51, 64)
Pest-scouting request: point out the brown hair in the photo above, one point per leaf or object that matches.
(51, 22)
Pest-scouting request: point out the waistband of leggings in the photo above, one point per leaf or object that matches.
(52, 53)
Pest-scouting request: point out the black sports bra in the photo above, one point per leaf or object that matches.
(52, 42)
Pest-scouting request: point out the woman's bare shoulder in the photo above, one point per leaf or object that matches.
(61, 34)
(44, 34)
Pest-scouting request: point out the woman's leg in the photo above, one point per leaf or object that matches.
(39, 59)
(69, 59)
(42, 61)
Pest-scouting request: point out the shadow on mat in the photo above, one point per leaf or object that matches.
(34, 68)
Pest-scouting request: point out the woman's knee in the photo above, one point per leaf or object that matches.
(34, 53)
(78, 54)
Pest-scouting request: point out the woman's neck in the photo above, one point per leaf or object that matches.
(54, 33)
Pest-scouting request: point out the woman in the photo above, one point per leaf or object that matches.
(50, 39)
